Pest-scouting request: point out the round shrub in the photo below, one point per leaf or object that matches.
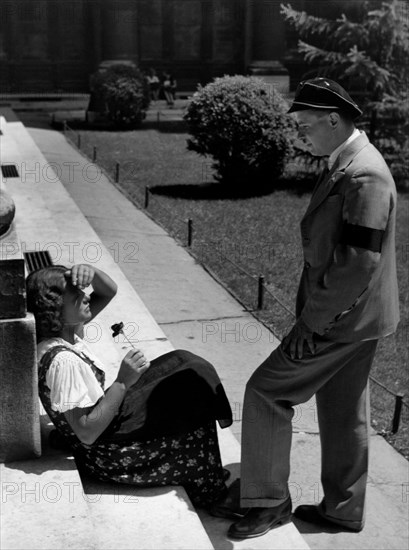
(241, 122)
(124, 92)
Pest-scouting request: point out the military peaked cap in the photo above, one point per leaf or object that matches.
(323, 93)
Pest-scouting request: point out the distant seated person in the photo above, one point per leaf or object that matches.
(154, 84)
(155, 425)
(169, 86)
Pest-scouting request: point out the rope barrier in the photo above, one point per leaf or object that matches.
(382, 386)
(237, 266)
(189, 232)
(262, 286)
(172, 214)
(280, 302)
(147, 194)
(75, 140)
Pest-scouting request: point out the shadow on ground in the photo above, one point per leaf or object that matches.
(218, 191)
(163, 126)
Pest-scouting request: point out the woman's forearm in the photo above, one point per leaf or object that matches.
(103, 285)
(104, 289)
(89, 426)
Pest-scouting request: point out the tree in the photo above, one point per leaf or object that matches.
(368, 56)
(241, 122)
(123, 92)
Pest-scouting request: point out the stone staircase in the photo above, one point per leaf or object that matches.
(45, 503)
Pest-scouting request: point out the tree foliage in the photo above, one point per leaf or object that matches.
(373, 50)
(368, 56)
(241, 122)
(124, 92)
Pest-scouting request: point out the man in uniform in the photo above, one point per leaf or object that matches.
(347, 300)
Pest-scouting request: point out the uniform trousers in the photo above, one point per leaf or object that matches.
(338, 374)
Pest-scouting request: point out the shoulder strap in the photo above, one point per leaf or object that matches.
(49, 355)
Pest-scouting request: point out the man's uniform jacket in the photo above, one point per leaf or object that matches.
(348, 290)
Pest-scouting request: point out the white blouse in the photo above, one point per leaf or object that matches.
(71, 380)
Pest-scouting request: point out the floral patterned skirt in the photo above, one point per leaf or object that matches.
(191, 460)
(165, 431)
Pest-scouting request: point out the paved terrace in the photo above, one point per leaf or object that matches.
(168, 300)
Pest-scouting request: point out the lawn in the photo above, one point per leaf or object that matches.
(239, 238)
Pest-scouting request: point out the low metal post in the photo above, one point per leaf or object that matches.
(260, 299)
(147, 192)
(117, 172)
(79, 141)
(94, 154)
(397, 412)
(189, 232)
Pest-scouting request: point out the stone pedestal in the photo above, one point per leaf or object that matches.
(19, 419)
(12, 289)
(20, 416)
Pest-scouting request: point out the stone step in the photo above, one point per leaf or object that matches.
(43, 506)
(163, 518)
(112, 219)
(158, 518)
(37, 200)
(286, 537)
(108, 516)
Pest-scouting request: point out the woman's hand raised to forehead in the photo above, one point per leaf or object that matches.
(103, 287)
(80, 275)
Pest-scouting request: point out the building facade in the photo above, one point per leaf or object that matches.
(54, 45)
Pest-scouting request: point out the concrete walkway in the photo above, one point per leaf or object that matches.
(196, 313)
(47, 218)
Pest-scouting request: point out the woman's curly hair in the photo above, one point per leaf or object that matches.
(45, 299)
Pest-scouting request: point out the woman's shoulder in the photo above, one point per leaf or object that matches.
(44, 346)
(83, 348)
(71, 380)
(47, 345)
(66, 360)
(61, 349)
(58, 352)
(68, 366)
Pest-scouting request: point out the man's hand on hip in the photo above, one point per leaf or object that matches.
(294, 342)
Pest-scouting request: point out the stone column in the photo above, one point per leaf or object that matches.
(119, 30)
(248, 33)
(20, 418)
(265, 42)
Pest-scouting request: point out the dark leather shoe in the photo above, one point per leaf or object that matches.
(311, 514)
(258, 521)
(226, 474)
(229, 506)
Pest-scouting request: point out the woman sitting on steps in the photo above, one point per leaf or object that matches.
(155, 425)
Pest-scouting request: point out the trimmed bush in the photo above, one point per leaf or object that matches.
(124, 92)
(240, 121)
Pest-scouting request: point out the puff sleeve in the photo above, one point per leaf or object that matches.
(72, 383)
